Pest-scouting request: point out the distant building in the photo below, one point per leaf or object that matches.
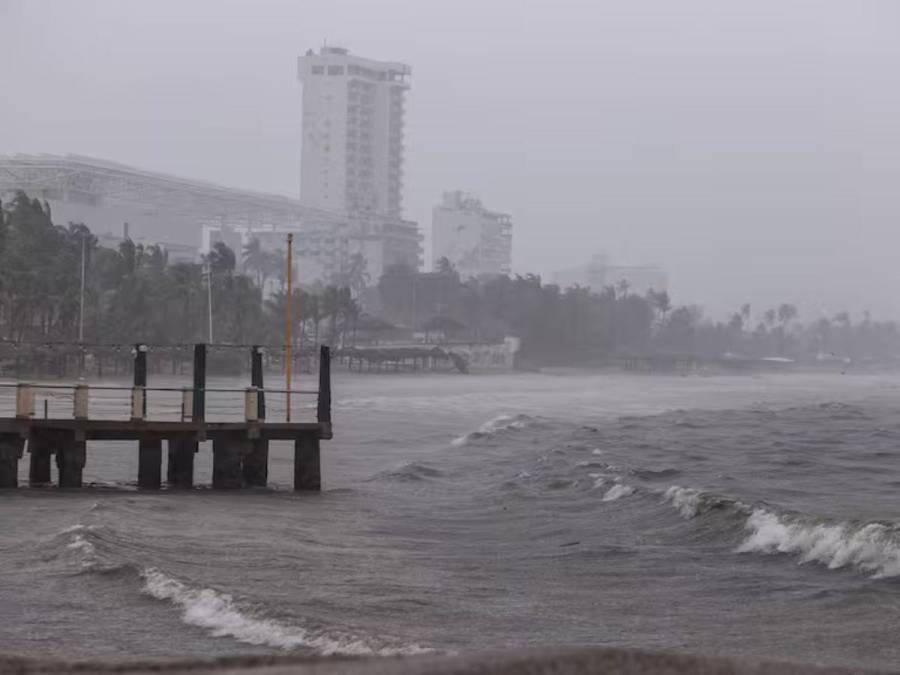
(599, 273)
(328, 253)
(185, 216)
(352, 154)
(476, 241)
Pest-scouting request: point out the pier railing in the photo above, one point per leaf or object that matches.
(199, 402)
(83, 400)
(59, 420)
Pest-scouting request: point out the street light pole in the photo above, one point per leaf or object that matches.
(209, 298)
(287, 328)
(81, 311)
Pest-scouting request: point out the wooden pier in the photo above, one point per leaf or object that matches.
(240, 447)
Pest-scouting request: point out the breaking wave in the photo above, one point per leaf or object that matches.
(617, 491)
(223, 617)
(493, 427)
(873, 548)
(869, 547)
(691, 503)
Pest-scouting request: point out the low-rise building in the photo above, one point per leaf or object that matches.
(187, 216)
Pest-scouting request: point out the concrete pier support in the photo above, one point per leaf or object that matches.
(307, 469)
(226, 472)
(180, 472)
(255, 466)
(70, 458)
(149, 464)
(11, 446)
(40, 448)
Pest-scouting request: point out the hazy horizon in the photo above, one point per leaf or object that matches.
(751, 153)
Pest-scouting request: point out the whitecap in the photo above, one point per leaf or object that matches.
(869, 547)
(223, 617)
(491, 427)
(79, 543)
(686, 500)
(617, 491)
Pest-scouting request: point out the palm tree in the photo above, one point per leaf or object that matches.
(221, 259)
(357, 276)
(254, 258)
(330, 308)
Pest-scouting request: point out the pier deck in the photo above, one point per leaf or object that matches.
(240, 448)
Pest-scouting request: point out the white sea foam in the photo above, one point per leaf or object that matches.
(617, 491)
(870, 547)
(493, 426)
(686, 500)
(79, 543)
(77, 527)
(221, 615)
(597, 451)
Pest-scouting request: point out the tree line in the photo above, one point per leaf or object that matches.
(134, 293)
(579, 325)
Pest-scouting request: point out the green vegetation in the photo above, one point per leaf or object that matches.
(134, 293)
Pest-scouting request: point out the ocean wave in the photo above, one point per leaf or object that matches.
(690, 502)
(617, 491)
(872, 547)
(219, 614)
(79, 543)
(493, 427)
(77, 527)
(869, 547)
(685, 500)
(409, 472)
(656, 474)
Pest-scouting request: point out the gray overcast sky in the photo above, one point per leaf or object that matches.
(752, 148)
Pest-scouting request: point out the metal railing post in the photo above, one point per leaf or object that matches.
(251, 404)
(80, 401)
(24, 400)
(138, 403)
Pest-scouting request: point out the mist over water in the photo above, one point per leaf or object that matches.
(530, 509)
(670, 229)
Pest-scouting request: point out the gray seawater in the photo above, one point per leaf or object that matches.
(726, 515)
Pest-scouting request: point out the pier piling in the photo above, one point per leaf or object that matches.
(227, 462)
(307, 469)
(40, 447)
(180, 470)
(149, 463)
(70, 458)
(11, 447)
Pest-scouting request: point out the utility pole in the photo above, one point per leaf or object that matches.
(287, 327)
(81, 311)
(209, 299)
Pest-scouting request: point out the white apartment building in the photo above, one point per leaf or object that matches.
(476, 241)
(352, 154)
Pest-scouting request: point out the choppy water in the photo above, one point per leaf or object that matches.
(733, 515)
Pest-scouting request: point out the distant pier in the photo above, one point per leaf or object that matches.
(240, 446)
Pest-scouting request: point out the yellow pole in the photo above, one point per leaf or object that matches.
(287, 327)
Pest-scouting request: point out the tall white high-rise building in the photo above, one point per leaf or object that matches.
(352, 155)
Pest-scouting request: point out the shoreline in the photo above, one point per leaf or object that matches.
(533, 661)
